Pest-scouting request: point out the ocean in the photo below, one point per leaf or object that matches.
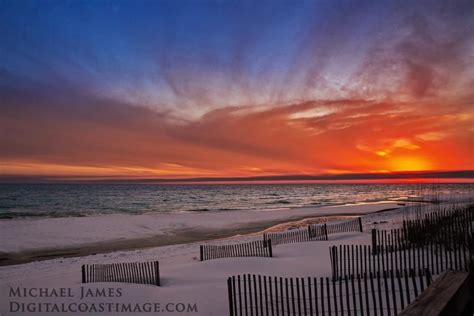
(60, 200)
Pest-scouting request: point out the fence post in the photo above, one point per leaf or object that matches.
(270, 248)
(309, 232)
(157, 271)
(200, 252)
(334, 262)
(429, 279)
(374, 241)
(229, 290)
(326, 231)
(83, 268)
(264, 240)
(360, 224)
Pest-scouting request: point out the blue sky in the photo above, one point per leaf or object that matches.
(157, 51)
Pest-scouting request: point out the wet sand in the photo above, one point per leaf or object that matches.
(179, 236)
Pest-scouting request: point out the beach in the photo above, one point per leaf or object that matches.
(185, 280)
(44, 221)
(38, 239)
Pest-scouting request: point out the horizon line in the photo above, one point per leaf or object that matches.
(403, 175)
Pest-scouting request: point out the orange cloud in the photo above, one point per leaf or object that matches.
(102, 137)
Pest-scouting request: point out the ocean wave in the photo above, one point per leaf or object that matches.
(13, 215)
(199, 210)
(281, 202)
(56, 200)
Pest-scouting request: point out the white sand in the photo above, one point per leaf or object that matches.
(35, 234)
(184, 278)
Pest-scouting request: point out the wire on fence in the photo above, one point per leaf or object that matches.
(128, 272)
(385, 293)
(314, 232)
(445, 227)
(258, 248)
(348, 260)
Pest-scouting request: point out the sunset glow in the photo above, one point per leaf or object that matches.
(160, 90)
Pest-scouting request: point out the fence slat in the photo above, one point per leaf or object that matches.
(136, 272)
(258, 248)
(364, 294)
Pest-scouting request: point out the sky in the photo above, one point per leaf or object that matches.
(200, 88)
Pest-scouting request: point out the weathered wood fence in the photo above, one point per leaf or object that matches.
(127, 272)
(448, 225)
(310, 233)
(443, 227)
(258, 248)
(348, 260)
(314, 232)
(354, 225)
(385, 293)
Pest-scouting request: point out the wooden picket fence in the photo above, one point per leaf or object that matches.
(354, 225)
(385, 293)
(127, 272)
(310, 233)
(349, 260)
(446, 225)
(443, 227)
(314, 232)
(258, 248)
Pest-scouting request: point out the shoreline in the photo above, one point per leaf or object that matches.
(180, 236)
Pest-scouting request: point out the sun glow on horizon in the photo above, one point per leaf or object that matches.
(409, 163)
